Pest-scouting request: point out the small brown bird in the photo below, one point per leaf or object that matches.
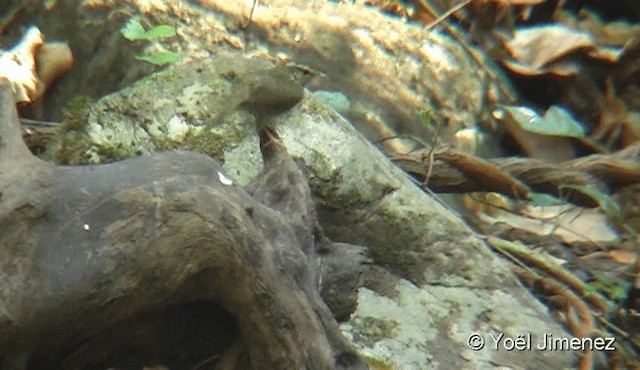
(274, 92)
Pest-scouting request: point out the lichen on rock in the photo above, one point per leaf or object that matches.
(194, 107)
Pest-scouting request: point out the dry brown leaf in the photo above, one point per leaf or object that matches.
(609, 54)
(619, 256)
(625, 257)
(554, 149)
(552, 49)
(539, 46)
(54, 59)
(561, 68)
(18, 66)
(616, 33)
(615, 120)
(32, 65)
(569, 223)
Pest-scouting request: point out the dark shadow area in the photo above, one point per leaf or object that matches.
(180, 336)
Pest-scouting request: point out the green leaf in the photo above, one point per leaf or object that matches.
(603, 199)
(543, 200)
(614, 287)
(557, 121)
(425, 118)
(133, 30)
(589, 289)
(160, 32)
(160, 58)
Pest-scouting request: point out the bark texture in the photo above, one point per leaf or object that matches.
(83, 249)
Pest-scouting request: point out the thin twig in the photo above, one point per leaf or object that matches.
(206, 361)
(447, 14)
(33, 122)
(253, 6)
(510, 98)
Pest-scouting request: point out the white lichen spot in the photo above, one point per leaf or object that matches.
(224, 179)
(86, 227)
(177, 128)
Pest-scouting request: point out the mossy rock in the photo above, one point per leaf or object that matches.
(205, 106)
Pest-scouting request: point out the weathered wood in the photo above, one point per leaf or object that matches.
(86, 248)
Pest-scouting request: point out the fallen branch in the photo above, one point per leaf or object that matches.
(456, 172)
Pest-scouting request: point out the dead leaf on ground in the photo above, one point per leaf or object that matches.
(534, 135)
(32, 65)
(616, 122)
(537, 50)
(541, 45)
(19, 67)
(571, 224)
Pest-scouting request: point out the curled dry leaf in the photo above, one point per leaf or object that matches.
(551, 49)
(54, 59)
(18, 66)
(539, 46)
(32, 65)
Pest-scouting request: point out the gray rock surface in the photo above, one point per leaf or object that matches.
(433, 283)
